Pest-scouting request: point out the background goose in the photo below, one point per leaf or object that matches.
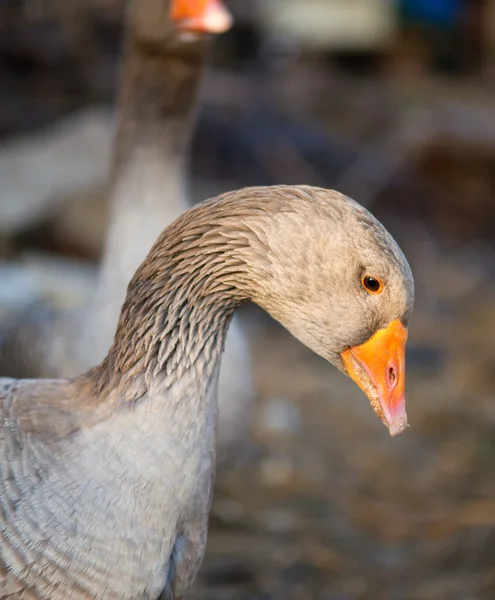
(106, 479)
(165, 49)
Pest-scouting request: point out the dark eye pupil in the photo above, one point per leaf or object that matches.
(371, 283)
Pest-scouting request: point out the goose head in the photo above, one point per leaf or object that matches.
(343, 287)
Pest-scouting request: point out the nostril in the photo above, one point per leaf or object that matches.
(391, 377)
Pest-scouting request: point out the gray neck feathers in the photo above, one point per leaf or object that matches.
(178, 307)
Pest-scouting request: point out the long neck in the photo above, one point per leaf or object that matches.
(178, 307)
(158, 94)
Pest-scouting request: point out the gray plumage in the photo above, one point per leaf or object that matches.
(106, 479)
(162, 71)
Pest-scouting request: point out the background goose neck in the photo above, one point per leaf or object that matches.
(159, 87)
(158, 94)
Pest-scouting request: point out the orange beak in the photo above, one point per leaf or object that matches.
(203, 16)
(378, 367)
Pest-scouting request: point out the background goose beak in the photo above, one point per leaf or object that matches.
(378, 367)
(204, 16)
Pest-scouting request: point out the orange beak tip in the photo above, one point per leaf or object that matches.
(378, 368)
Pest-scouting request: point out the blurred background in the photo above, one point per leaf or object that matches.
(391, 102)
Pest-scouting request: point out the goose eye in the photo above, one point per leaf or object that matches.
(373, 285)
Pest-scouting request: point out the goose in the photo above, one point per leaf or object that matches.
(106, 479)
(164, 55)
